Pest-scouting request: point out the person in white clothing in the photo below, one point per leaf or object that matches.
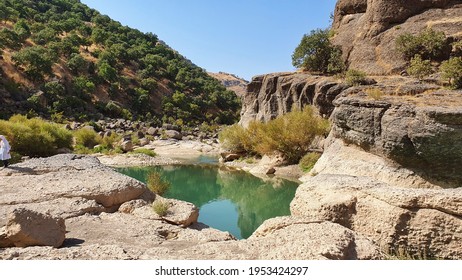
(4, 150)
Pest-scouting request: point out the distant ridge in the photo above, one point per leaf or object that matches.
(231, 82)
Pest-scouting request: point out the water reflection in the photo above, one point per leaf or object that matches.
(232, 201)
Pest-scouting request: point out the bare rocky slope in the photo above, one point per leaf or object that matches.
(231, 82)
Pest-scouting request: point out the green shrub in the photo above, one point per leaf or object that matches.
(107, 145)
(429, 44)
(160, 207)
(308, 161)
(451, 70)
(87, 138)
(147, 152)
(156, 183)
(35, 137)
(355, 77)
(457, 48)
(419, 68)
(36, 61)
(291, 135)
(234, 138)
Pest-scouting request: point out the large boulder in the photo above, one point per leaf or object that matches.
(179, 212)
(421, 222)
(367, 30)
(173, 134)
(29, 228)
(300, 238)
(383, 201)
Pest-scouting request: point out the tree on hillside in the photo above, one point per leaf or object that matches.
(452, 71)
(36, 61)
(317, 54)
(429, 44)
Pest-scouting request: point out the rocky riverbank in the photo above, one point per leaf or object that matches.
(106, 215)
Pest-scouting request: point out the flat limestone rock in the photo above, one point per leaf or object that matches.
(66, 185)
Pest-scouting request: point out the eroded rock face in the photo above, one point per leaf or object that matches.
(272, 95)
(307, 239)
(423, 134)
(367, 29)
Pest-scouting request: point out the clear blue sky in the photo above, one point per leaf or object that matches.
(242, 37)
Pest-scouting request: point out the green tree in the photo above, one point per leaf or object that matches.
(107, 72)
(429, 44)
(9, 38)
(419, 68)
(317, 54)
(54, 90)
(36, 61)
(22, 29)
(83, 87)
(98, 35)
(452, 71)
(3, 12)
(45, 36)
(77, 64)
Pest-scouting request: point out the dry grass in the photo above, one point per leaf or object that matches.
(374, 93)
(160, 207)
(157, 184)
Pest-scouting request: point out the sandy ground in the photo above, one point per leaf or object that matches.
(168, 152)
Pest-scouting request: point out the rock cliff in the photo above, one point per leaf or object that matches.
(386, 202)
(366, 30)
(272, 95)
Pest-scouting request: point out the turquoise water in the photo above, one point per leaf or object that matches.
(232, 201)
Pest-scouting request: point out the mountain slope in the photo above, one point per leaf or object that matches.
(61, 57)
(231, 82)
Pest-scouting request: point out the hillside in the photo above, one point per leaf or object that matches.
(60, 57)
(231, 82)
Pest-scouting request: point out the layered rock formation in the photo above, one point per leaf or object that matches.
(366, 30)
(381, 200)
(423, 134)
(272, 95)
